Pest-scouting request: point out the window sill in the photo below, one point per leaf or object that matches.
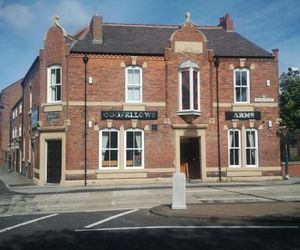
(189, 112)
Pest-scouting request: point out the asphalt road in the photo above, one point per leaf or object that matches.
(139, 229)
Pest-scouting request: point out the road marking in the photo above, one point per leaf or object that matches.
(26, 223)
(111, 218)
(186, 227)
(116, 209)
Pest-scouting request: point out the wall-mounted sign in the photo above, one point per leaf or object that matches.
(264, 99)
(229, 115)
(34, 117)
(53, 117)
(127, 115)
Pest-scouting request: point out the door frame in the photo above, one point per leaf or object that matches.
(44, 137)
(192, 132)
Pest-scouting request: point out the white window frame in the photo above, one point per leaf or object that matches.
(50, 85)
(191, 68)
(127, 85)
(247, 86)
(255, 147)
(20, 130)
(239, 148)
(141, 148)
(20, 108)
(101, 147)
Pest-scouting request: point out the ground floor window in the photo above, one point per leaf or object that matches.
(243, 148)
(251, 147)
(109, 144)
(134, 148)
(234, 147)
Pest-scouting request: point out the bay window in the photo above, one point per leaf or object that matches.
(189, 89)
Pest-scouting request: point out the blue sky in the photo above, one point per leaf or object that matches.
(24, 23)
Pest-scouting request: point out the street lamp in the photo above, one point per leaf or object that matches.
(284, 131)
(2, 107)
(85, 60)
(217, 63)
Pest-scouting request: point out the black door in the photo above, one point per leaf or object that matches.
(190, 156)
(54, 161)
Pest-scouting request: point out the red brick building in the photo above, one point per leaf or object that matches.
(8, 98)
(121, 103)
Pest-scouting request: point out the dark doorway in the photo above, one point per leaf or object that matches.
(190, 157)
(53, 161)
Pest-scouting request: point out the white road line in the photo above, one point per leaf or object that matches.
(186, 227)
(110, 218)
(26, 223)
(116, 209)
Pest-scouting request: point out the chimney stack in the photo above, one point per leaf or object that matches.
(96, 29)
(226, 22)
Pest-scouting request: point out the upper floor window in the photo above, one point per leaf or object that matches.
(133, 84)
(241, 86)
(109, 144)
(54, 84)
(189, 89)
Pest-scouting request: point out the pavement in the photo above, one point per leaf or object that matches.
(282, 210)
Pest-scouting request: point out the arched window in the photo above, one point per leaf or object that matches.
(241, 86)
(134, 155)
(189, 87)
(134, 84)
(109, 148)
(54, 82)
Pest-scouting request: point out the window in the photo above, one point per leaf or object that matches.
(241, 86)
(20, 108)
(109, 144)
(20, 131)
(133, 84)
(54, 84)
(234, 146)
(189, 89)
(134, 148)
(251, 148)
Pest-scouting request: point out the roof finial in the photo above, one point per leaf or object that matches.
(188, 19)
(56, 21)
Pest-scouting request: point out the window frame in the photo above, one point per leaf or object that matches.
(240, 86)
(101, 148)
(127, 84)
(239, 148)
(191, 68)
(49, 84)
(250, 147)
(142, 148)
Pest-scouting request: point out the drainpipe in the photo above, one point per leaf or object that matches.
(85, 60)
(217, 63)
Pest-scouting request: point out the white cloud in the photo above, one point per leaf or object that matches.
(16, 15)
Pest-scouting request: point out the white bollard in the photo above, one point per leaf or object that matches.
(179, 191)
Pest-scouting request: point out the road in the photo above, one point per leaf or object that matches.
(139, 229)
(120, 219)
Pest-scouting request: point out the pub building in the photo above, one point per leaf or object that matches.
(133, 104)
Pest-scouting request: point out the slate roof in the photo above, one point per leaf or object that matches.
(152, 40)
